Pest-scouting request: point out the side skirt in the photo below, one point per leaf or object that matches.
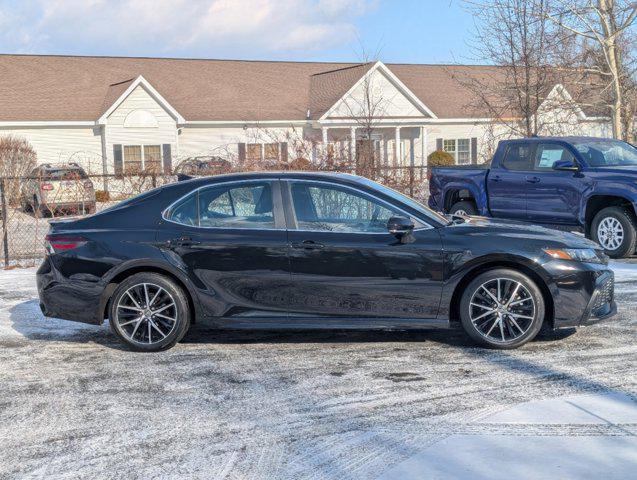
(325, 323)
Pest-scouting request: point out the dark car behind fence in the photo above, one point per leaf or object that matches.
(25, 225)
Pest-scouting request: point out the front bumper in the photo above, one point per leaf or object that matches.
(583, 293)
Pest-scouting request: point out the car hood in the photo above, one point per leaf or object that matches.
(521, 232)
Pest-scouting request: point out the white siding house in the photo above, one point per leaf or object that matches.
(124, 114)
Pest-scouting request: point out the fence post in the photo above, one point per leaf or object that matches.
(5, 219)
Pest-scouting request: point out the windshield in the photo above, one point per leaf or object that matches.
(410, 202)
(606, 153)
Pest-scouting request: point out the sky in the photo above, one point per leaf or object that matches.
(398, 31)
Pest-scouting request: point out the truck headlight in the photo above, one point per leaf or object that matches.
(588, 255)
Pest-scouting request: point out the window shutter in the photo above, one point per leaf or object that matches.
(284, 151)
(242, 152)
(439, 144)
(474, 150)
(167, 158)
(118, 160)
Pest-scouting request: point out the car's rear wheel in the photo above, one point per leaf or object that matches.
(464, 207)
(502, 308)
(149, 312)
(614, 229)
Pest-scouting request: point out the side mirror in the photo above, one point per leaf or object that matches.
(566, 165)
(400, 226)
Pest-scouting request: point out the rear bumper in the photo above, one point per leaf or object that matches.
(76, 300)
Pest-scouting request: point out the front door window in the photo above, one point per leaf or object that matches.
(335, 209)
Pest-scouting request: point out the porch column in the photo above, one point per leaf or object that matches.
(352, 143)
(397, 149)
(424, 137)
(324, 132)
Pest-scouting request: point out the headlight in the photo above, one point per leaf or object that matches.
(588, 255)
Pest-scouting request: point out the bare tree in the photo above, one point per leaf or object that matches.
(512, 35)
(607, 49)
(17, 159)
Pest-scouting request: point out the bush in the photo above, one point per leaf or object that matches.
(102, 196)
(440, 158)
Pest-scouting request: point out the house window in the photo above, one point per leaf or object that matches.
(132, 158)
(271, 151)
(463, 152)
(138, 158)
(460, 149)
(260, 151)
(253, 151)
(152, 158)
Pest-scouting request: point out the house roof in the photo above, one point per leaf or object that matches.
(75, 88)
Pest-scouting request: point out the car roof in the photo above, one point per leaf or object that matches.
(304, 175)
(567, 139)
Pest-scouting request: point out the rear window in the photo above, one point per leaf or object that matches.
(63, 174)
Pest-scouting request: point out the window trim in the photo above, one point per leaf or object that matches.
(142, 146)
(290, 214)
(277, 206)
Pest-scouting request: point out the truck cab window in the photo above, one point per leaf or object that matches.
(547, 154)
(517, 157)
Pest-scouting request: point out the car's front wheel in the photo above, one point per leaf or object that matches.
(502, 308)
(149, 312)
(615, 230)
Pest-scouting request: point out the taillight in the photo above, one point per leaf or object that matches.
(56, 243)
(46, 186)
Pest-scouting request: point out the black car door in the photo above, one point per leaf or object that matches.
(346, 264)
(231, 240)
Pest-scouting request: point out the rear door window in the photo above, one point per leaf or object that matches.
(518, 157)
(227, 206)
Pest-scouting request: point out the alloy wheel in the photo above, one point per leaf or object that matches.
(146, 313)
(502, 310)
(610, 233)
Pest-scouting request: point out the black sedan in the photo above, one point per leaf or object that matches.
(316, 251)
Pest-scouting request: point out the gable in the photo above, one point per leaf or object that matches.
(139, 109)
(378, 94)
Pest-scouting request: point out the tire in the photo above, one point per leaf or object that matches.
(616, 220)
(486, 330)
(466, 206)
(134, 330)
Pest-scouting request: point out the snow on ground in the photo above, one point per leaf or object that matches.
(333, 405)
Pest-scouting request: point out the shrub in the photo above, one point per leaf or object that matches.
(102, 196)
(440, 158)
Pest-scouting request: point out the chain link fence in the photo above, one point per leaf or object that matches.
(28, 203)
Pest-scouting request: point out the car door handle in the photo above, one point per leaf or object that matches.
(532, 179)
(496, 178)
(308, 245)
(183, 242)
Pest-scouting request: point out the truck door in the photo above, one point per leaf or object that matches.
(553, 195)
(507, 185)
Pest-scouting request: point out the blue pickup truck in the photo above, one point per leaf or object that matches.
(581, 183)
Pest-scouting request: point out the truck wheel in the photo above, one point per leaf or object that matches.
(464, 207)
(615, 230)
